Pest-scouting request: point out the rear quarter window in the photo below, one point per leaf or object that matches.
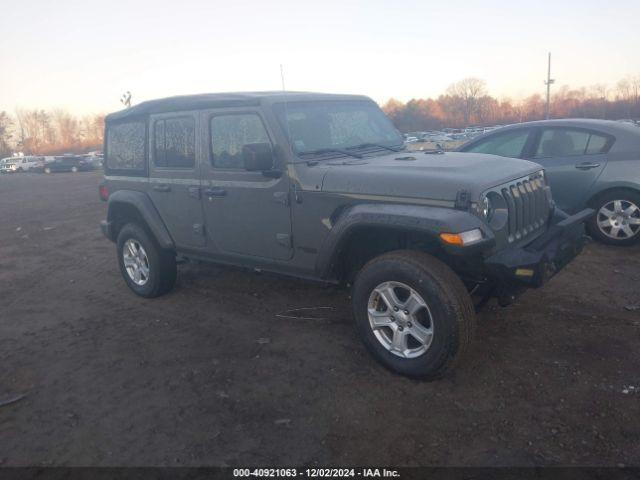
(126, 147)
(571, 142)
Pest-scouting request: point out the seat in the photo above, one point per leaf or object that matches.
(559, 145)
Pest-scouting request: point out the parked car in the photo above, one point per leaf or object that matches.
(29, 162)
(589, 163)
(320, 186)
(9, 165)
(94, 160)
(66, 163)
(22, 164)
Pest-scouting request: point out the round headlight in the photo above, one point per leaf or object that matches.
(485, 208)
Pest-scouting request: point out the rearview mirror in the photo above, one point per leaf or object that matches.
(258, 157)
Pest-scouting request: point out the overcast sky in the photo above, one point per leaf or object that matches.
(83, 54)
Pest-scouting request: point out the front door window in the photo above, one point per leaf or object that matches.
(507, 144)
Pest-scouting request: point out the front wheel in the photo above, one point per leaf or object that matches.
(74, 169)
(47, 170)
(148, 270)
(617, 218)
(413, 313)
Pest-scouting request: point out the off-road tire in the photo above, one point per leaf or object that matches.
(162, 263)
(598, 203)
(450, 305)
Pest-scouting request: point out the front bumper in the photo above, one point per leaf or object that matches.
(534, 264)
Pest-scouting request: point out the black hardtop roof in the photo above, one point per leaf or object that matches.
(221, 100)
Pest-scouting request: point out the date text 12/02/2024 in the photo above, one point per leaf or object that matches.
(316, 472)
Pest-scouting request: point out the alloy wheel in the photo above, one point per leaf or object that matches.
(136, 262)
(619, 219)
(400, 319)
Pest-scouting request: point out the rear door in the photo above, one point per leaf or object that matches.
(573, 159)
(174, 182)
(246, 212)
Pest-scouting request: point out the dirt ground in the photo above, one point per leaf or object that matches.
(211, 375)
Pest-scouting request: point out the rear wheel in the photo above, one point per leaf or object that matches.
(47, 170)
(413, 313)
(148, 270)
(74, 169)
(617, 218)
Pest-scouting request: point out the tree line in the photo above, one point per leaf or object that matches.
(43, 132)
(466, 103)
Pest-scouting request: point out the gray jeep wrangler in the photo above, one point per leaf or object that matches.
(320, 187)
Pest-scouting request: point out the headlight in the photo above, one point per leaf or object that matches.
(485, 208)
(494, 210)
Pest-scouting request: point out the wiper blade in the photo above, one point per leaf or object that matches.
(320, 151)
(378, 145)
(438, 150)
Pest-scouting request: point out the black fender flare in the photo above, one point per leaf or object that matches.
(431, 220)
(144, 206)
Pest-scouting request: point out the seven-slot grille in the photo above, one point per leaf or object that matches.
(527, 204)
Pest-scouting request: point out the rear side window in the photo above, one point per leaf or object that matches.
(565, 142)
(230, 133)
(507, 144)
(175, 143)
(597, 144)
(125, 146)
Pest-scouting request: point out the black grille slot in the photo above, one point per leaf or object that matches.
(511, 209)
(527, 205)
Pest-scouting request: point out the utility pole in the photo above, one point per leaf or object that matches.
(282, 77)
(548, 83)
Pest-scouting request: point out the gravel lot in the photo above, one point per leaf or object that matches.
(212, 375)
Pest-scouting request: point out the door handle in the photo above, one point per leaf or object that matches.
(162, 188)
(587, 165)
(281, 197)
(215, 192)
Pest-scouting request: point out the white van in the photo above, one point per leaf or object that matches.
(8, 165)
(20, 164)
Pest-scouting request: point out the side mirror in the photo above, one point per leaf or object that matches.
(258, 157)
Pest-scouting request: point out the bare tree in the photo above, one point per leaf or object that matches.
(5, 134)
(32, 130)
(467, 93)
(67, 128)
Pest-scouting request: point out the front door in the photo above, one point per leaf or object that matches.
(573, 159)
(174, 181)
(246, 212)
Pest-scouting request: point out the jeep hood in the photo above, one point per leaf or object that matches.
(420, 175)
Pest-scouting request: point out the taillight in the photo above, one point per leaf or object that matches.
(104, 192)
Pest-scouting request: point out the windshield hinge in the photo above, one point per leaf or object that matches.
(463, 200)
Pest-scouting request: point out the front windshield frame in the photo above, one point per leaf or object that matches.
(390, 138)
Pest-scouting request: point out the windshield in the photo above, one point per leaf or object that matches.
(321, 126)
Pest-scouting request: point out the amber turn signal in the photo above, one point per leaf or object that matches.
(462, 239)
(452, 238)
